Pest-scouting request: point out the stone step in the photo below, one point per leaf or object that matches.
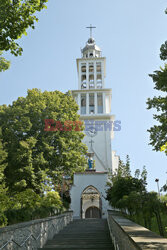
(82, 234)
(55, 243)
(79, 247)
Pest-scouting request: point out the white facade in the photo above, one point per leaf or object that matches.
(94, 102)
(83, 181)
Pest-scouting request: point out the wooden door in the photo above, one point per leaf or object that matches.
(93, 212)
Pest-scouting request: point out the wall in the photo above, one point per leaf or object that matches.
(115, 161)
(102, 144)
(82, 181)
(32, 234)
(127, 235)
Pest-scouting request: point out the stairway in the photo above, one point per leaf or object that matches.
(82, 234)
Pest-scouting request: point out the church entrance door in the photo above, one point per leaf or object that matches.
(91, 204)
(93, 212)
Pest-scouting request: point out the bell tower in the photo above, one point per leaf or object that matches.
(94, 101)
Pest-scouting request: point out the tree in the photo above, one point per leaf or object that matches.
(123, 168)
(4, 64)
(42, 140)
(16, 16)
(164, 148)
(3, 156)
(158, 133)
(3, 190)
(123, 186)
(129, 194)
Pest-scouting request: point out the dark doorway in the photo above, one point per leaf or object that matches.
(93, 212)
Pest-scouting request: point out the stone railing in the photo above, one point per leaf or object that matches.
(127, 235)
(33, 234)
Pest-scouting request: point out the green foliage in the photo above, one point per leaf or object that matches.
(129, 194)
(4, 64)
(3, 156)
(163, 49)
(123, 188)
(15, 17)
(52, 199)
(3, 189)
(33, 161)
(123, 169)
(164, 188)
(164, 148)
(28, 205)
(25, 199)
(164, 198)
(37, 159)
(158, 133)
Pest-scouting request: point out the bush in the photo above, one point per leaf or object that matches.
(27, 206)
(3, 220)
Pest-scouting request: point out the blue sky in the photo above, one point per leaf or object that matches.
(130, 34)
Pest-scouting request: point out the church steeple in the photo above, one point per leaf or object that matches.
(94, 102)
(91, 66)
(91, 49)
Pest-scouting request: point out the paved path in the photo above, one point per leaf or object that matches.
(82, 234)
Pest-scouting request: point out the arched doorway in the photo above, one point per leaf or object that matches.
(93, 212)
(91, 205)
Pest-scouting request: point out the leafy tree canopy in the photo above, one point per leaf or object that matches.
(123, 184)
(16, 16)
(129, 194)
(37, 158)
(158, 133)
(4, 64)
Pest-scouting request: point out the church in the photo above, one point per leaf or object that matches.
(94, 100)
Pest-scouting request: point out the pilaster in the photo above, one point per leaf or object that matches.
(95, 103)
(87, 103)
(79, 103)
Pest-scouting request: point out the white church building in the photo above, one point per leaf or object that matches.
(94, 100)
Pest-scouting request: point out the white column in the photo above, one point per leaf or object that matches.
(79, 76)
(87, 103)
(102, 73)
(104, 103)
(95, 75)
(79, 103)
(95, 102)
(87, 75)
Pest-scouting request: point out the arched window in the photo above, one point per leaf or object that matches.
(99, 81)
(99, 103)
(83, 81)
(83, 104)
(98, 67)
(91, 81)
(91, 104)
(83, 67)
(91, 68)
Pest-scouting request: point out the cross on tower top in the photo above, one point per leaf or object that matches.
(91, 28)
(91, 142)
